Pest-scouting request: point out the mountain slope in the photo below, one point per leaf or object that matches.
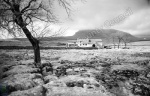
(105, 34)
(144, 37)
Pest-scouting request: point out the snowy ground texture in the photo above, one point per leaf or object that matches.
(103, 72)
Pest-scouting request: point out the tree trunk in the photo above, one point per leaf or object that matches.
(37, 57)
(114, 42)
(35, 45)
(114, 46)
(118, 46)
(125, 44)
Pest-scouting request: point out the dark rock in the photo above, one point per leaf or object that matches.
(141, 90)
(126, 73)
(61, 71)
(75, 83)
(36, 91)
(65, 62)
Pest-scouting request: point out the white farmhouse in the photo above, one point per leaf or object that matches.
(89, 43)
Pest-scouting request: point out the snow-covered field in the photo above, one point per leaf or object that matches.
(102, 72)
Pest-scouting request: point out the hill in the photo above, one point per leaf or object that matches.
(144, 37)
(105, 34)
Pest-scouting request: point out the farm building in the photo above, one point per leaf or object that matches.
(89, 42)
(71, 44)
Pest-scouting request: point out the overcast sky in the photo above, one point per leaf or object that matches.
(93, 14)
(132, 16)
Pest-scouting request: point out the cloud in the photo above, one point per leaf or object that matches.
(94, 13)
(137, 23)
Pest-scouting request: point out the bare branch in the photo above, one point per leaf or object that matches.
(32, 10)
(29, 4)
(66, 5)
(8, 2)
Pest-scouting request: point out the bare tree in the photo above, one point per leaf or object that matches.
(114, 41)
(119, 41)
(125, 40)
(17, 15)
